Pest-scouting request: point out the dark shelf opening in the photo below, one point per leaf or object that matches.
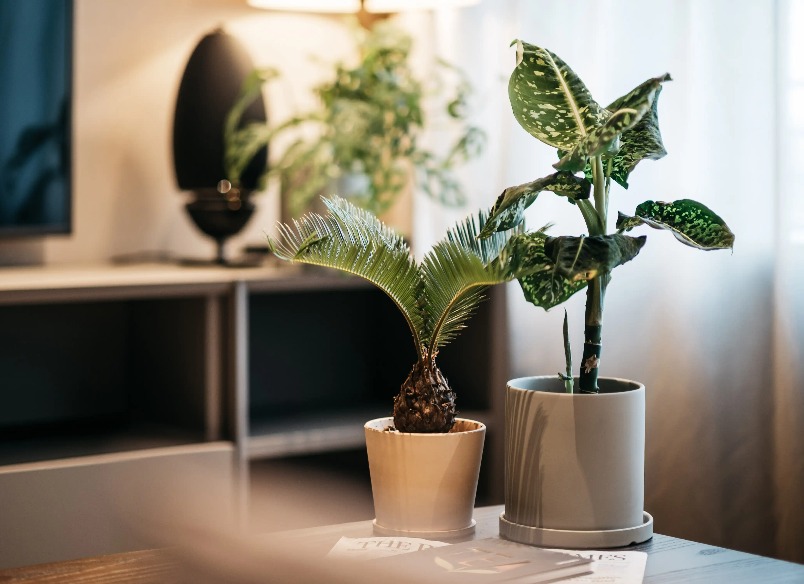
(330, 351)
(79, 378)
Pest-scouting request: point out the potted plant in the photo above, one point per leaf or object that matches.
(424, 461)
(366, 144)
(575, 459)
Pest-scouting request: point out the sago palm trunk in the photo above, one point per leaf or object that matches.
(425, 402)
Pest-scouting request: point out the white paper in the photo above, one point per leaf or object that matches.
(366, 548)
(612, 566)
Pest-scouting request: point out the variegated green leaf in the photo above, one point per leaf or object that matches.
(643, 141)
(549, 100)
(691, 222)
(603, 139)
(626, 113)
(549, 289)
(509, 208)
(641, 97)
(583, 258)
(524, 254)
(541, 284)
(627, 222)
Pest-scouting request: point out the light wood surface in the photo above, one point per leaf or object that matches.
(669, 560)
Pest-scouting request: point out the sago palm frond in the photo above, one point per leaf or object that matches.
(436, 297)
(354, 241)
(456, 274)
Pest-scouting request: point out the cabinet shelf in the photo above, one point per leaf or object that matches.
(309, 433)
(90, 438)
(282, 361)
(317, 433)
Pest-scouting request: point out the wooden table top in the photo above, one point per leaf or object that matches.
(265, 558)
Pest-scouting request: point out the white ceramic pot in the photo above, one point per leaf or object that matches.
(575, 464)
(424, 485)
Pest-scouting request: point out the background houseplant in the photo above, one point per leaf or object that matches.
(364, 141)
(369, 128)
(591, 444)
(414, 468)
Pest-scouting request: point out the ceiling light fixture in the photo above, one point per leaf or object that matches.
(367, 11)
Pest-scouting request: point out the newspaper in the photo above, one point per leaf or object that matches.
(610, 567)
(366, 548)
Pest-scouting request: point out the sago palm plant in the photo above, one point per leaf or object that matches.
(596, 146)
(436, 296)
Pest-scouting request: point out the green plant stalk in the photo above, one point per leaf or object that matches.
(596, 290)
(601, 192)
(567, 376)
(593, 320)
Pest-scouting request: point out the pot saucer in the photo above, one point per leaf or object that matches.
(569, 539)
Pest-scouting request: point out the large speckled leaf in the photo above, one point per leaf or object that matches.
(583, 258)
(643, 141)
(691, 222)
(626, 112)
(509, 208)
(627, 222)
(549, 100)
(542, 285)
(549, 289)
(641, 96)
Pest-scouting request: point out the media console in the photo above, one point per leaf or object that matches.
(279, 360)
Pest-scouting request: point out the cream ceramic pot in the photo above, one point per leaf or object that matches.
(424, 485)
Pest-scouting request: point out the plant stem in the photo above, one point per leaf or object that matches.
(595, 292)
(567, 377)
(600, 193)
(590, 217)
(590, 361)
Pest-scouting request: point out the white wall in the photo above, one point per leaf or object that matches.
(129, 58)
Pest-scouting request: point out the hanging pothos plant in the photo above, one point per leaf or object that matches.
(596, 146)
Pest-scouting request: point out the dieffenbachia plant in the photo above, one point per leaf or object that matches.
(595, 145)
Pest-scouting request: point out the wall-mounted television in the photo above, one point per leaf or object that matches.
(36, 54)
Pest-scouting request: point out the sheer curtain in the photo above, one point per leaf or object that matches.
(717, 338)
(789, 277)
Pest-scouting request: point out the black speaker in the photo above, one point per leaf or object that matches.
(209, 87)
